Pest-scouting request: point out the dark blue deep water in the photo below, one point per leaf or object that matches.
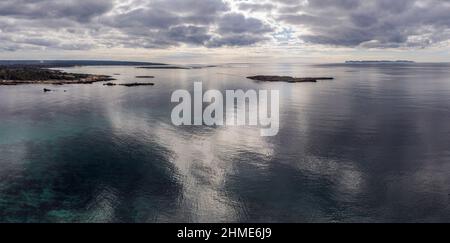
(371, 146)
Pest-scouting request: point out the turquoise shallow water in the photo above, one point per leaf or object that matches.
(370, 146)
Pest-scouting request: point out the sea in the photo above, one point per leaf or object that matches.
(372, 145)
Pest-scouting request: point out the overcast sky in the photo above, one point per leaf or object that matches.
(200, 31)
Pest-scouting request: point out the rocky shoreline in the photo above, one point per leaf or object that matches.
(32, 75)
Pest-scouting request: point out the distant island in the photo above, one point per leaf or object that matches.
(381, 62)
(288, 79)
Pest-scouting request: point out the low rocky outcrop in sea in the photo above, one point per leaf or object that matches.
(137, 84)
(288, 79)
(145, 76)
(129, 84)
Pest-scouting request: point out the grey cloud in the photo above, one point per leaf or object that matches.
(80, 10)
(306, 20)
(164, 23)
(175, 22)
(189, 34)
(41, 42)
(235, 29)
(143, 18)
(238, 23)
(236, 40)
(371, 24)
(85, 24)
(135, 23)
(256, 7)
(163, 13)
(289, 2)
(363, 20)
(339, 4)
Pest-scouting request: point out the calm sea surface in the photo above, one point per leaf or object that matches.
(371, 146)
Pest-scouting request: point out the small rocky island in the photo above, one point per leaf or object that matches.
(18, 75)
(288, 79)
(145, 76)
(129, 84)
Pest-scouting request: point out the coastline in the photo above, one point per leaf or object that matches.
(12, 75)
